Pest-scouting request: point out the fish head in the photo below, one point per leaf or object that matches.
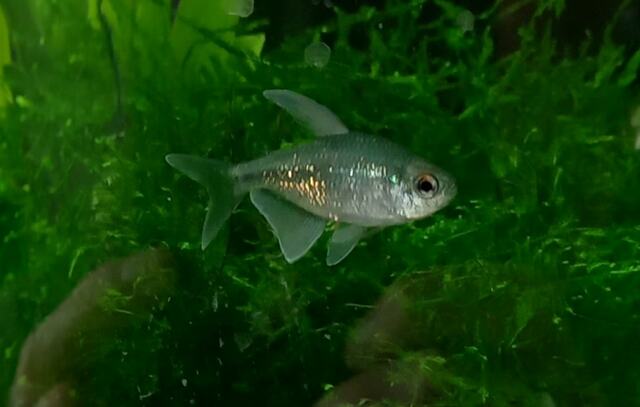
(425, 189)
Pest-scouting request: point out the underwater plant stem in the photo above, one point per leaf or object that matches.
(118, 114)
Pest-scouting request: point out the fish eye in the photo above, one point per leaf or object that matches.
(427, 184)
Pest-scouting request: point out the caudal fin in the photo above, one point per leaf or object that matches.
(216, 178)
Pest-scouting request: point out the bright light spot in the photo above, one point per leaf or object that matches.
(638, 140)
(184, 382)
(214, 302)
(317, 54)
(240, 8)
(465, 20)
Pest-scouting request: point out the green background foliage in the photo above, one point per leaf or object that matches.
(533, 270)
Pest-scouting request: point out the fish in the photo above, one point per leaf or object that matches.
(359, 182)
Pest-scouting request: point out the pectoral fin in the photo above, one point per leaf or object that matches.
(344, 239)
(296, 229)
(321, 120)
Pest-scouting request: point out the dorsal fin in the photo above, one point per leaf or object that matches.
(321, 120)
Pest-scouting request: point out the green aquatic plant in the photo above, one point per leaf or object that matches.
(523, 290)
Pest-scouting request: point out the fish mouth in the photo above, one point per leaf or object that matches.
(450, 189)
(448, 193)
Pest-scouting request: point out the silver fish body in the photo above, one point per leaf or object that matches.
(352, 178)
(356, 180)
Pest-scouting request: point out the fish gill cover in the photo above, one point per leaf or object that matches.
(524, 291)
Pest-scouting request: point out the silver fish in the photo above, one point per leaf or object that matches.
(358, 181)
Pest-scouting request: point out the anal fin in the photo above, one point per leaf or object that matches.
(296, 229)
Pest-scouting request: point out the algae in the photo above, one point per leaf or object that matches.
(522, 292)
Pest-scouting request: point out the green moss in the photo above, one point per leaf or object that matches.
(525, 287)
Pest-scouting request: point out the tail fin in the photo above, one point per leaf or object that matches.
(216, 177)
